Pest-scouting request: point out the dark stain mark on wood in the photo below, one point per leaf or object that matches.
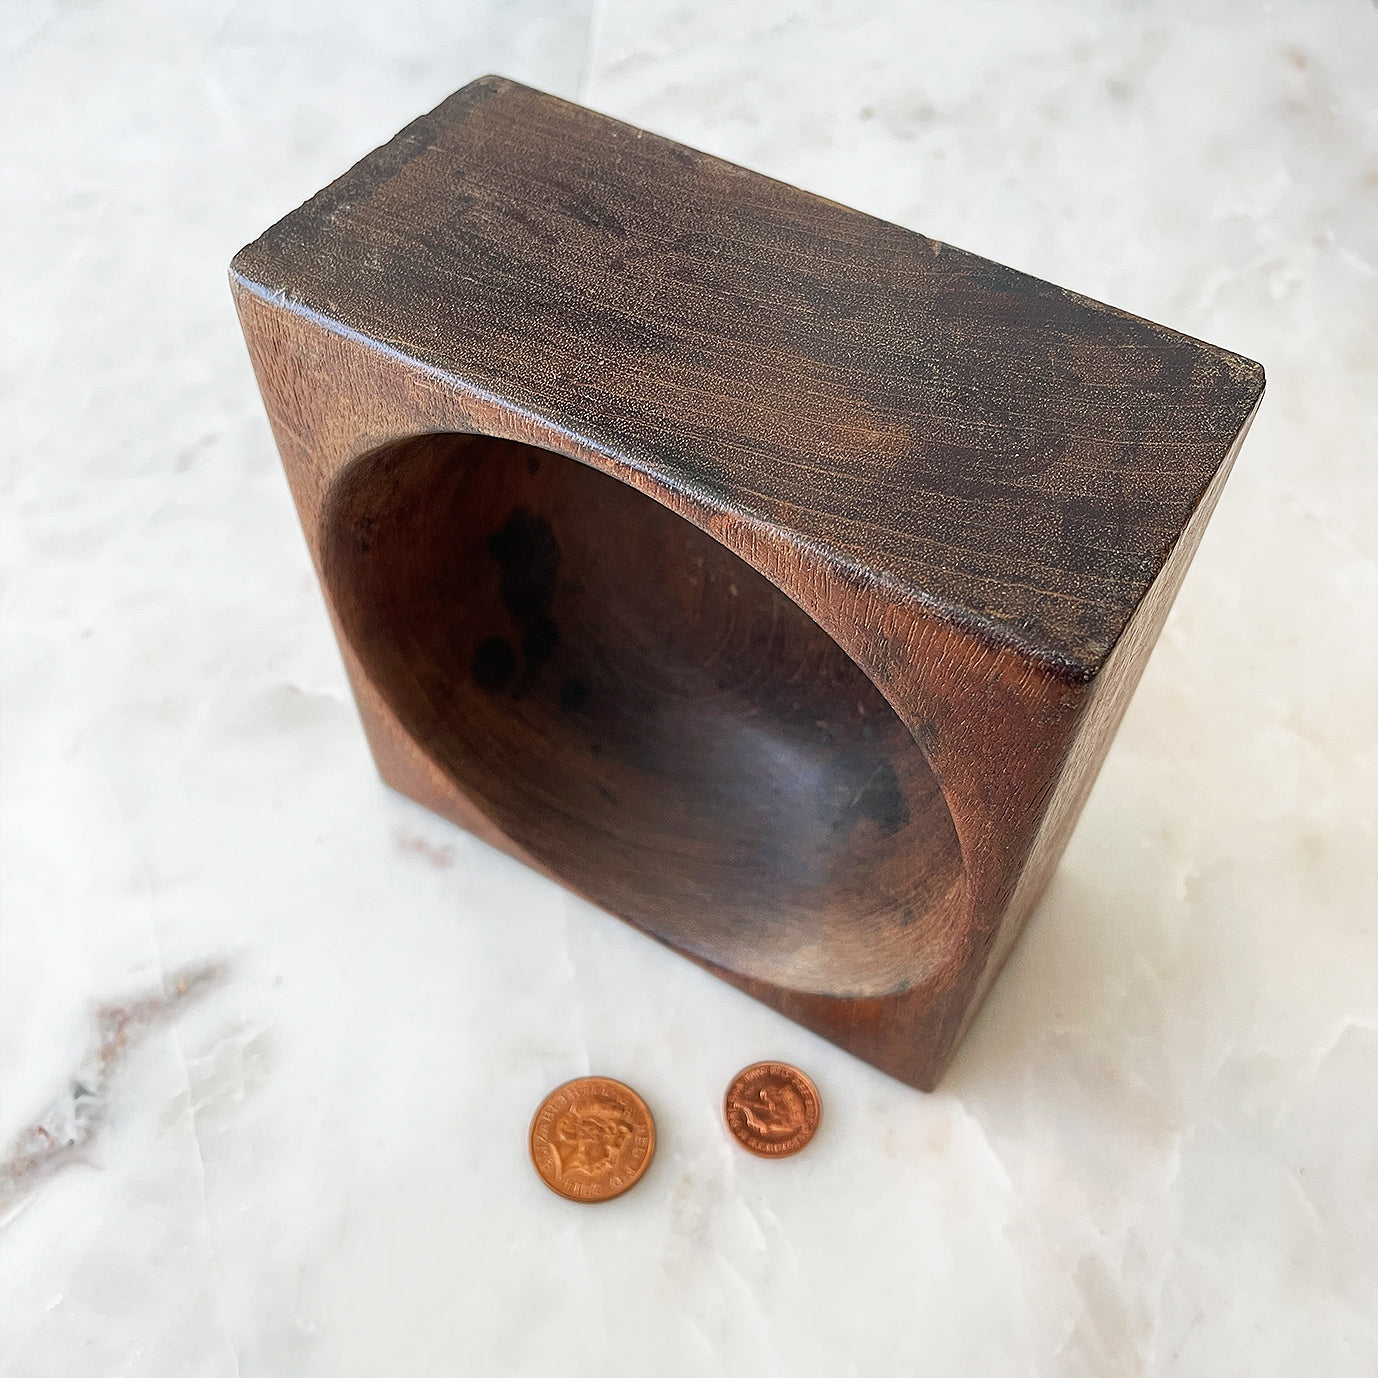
(528, 555)
(538, 644)
(493, 664)
(574, 694)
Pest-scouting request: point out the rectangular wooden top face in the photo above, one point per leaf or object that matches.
(1017, 455)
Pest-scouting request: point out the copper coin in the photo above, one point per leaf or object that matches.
(592, 1139)
(772, 1109)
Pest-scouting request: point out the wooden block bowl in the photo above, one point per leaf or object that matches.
(770, 575)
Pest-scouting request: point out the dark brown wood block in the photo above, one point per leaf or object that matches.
(769, 574)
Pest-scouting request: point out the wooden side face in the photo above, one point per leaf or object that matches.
(763, 561)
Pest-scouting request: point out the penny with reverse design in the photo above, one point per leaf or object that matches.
(592, 1139)
(772, 1109)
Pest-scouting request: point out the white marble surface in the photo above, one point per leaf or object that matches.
(309, 1022)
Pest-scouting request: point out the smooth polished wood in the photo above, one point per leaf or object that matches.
(771, 575)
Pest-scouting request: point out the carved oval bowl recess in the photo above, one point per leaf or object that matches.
(644, 713)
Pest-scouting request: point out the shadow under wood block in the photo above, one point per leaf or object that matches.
(771, 575)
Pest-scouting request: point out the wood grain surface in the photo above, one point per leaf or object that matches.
(772, 575)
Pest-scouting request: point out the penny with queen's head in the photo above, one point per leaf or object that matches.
(592, 1139)
(772, 1109)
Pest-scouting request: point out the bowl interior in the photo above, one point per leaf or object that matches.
(644, 713)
